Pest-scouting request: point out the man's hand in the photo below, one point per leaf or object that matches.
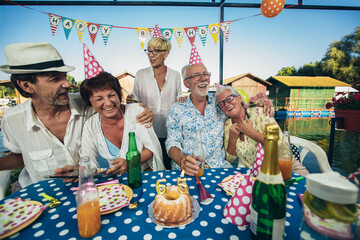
(190, 164)
(119, 167)
(145, 117)
(66, 171)
(182, 99)
(268, 110)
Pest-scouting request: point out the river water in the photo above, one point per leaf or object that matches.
(346, 153)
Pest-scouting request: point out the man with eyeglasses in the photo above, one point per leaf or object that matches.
(199, 112)
(158, 87)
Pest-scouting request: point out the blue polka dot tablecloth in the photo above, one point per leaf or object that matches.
(61, 222)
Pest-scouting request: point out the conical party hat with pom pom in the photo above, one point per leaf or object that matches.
(91, 66)
(194, 56)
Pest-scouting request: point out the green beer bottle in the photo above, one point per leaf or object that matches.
(133, 161)
(268, 206)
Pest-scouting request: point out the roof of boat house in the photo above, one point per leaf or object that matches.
(299, 81)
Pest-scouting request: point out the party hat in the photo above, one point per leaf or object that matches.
(205, 197)
(157, 32)
(91, 66)
(194, 56)
(237, 210)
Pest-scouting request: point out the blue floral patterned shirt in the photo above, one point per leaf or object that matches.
(182, 123)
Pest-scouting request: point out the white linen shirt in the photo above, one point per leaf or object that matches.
(146, 90)
(93, 139)
(43, 152)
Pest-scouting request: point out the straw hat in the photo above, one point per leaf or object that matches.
(33, 58)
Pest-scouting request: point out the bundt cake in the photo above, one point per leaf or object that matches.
(173, 208)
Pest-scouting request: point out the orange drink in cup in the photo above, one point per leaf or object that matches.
(89, 220)
(285, 165)
(201, 169)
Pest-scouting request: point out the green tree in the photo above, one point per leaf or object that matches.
(287, 71)
(342, 59)
(71, 79)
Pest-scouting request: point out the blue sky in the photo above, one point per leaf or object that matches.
(259, 45)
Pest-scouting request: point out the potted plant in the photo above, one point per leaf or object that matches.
(347, 106)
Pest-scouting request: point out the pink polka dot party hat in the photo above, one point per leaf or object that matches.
(91, 65)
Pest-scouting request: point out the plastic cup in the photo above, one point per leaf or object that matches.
(201, 169)
(285, 165)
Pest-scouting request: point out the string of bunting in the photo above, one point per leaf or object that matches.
(269, 8)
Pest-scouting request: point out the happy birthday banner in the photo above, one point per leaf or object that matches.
(105, 30)
(269, 8)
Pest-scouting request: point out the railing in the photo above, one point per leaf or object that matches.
(292, 104)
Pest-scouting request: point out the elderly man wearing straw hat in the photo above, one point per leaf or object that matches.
(43, 134)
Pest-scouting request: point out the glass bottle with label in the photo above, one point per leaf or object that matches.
(133, 161)
(87, 200)
(268, 205)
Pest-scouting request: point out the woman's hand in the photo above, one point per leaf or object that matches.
(119, 167)
(235, 133)
(145, 117)
(245, 126)
(130, 98)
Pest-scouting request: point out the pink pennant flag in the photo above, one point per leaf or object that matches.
(91, 66)
(151, 32)
(54, 22)
(194, 56)
(237, 210)
(93, 30)
(191, 33)
(225, 28)
(157, 32)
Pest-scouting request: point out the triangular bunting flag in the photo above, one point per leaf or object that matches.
(203, 31)
(68, 24)
(214, 30)
(194, 56)
(225, 28)
(157, 32)
(151, 32)
(91, 66)
(142, 34)
(191, 33)
(80, 28)
(179, 34)
(105, 32)
(167, 33)
(54, 22)
(93, 30)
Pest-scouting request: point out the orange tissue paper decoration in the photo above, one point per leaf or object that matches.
(272, 8)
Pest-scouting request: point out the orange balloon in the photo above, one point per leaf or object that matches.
(272, 8)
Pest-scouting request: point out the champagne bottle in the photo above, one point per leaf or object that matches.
(268, 205)
(133, 161)
(87, 201)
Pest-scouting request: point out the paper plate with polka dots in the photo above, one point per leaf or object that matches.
(113, 197)
(16, 214)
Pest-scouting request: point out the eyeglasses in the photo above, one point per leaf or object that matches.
(228, 99)
(155, 51)
(197, 76)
